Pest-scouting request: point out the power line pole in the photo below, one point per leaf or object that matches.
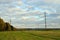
(10, 21)
(45, 20)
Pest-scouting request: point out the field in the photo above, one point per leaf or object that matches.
(30, 35)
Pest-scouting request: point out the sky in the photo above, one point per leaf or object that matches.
(30, 13)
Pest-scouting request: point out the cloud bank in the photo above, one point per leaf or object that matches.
(30, 13)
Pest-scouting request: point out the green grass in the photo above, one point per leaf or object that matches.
(30, 35)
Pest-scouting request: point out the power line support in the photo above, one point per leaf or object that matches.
(45, 20)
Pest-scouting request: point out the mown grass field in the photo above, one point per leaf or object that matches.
(30, 35)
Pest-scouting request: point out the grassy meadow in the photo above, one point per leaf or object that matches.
(30, 35)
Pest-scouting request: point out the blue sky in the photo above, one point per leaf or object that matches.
(30, 13)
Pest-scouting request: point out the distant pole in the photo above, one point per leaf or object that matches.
(45, 20)
(10, 21)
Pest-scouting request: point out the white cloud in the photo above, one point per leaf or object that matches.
(52, 1)
(58, 17)
(18, 3)
(24, 18)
